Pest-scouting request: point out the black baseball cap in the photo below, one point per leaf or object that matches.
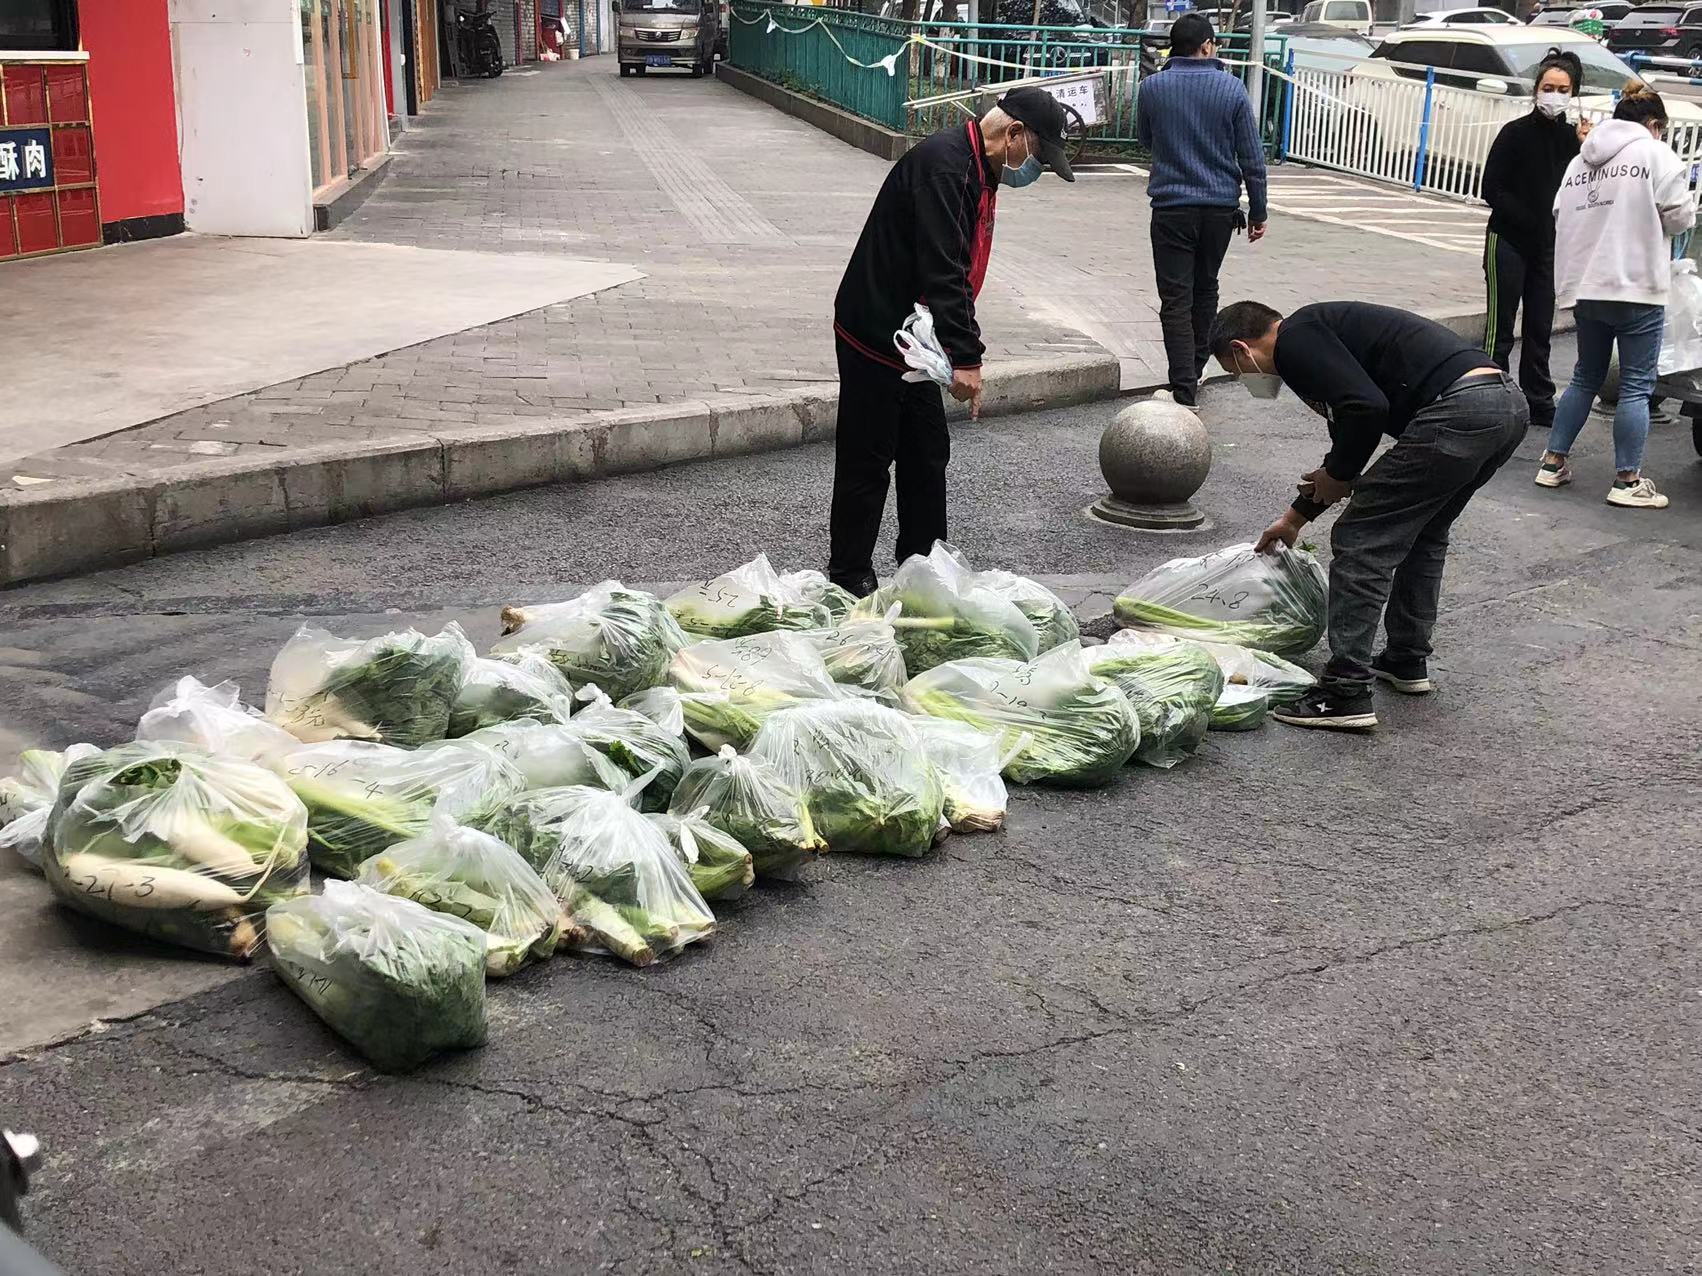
(1044, 116)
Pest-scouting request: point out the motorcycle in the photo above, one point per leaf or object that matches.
(476, 41)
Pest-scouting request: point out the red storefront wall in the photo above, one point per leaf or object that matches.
(113, 126)
(135, 114)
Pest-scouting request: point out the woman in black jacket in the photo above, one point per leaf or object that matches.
(1520, 179)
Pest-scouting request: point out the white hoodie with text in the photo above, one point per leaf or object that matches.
(1622, 199)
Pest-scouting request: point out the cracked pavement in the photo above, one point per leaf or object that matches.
(1422, 1002)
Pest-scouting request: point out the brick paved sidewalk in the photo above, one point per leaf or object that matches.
(742, 219)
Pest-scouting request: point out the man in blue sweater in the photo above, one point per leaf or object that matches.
(1196, 120)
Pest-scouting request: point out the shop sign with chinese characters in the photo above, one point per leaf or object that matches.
(26, 159)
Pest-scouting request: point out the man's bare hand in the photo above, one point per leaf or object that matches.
(1286, 529)
(966, 388)
(1256, 233)
(1584, 127)
(1320, 486)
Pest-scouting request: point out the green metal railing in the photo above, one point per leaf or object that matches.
(931, 87)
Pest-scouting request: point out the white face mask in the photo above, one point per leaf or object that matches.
(1553, 103)
(1261, 385)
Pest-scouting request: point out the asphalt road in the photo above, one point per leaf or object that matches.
(1419, 1002)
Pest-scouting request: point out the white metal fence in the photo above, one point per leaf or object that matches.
(1413, 130)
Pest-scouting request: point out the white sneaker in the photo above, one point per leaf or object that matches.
(1554, 475)
(1639, 495)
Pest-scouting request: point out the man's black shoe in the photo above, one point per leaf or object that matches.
(1321, 707)
(857, 586)
(1409, 677)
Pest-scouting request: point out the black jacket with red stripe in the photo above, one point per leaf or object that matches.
(927, 239)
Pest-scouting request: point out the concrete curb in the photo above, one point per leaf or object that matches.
(864, 134)
(76, 526)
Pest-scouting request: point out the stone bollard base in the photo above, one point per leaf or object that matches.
(1156, 518)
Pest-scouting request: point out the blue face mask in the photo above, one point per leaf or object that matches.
(1025, 174)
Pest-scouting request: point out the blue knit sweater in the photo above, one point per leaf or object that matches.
(1196, 120)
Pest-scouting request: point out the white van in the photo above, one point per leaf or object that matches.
(1350, 15)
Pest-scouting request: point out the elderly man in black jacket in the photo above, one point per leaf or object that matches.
(927, 240)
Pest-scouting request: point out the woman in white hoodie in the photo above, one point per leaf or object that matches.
(1619, 205)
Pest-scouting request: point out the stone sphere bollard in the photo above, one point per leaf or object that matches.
(1608, 395)
(1154, 456)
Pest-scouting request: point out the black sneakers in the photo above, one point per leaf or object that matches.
(1321, 707)
(858, 586)
(1409, 677)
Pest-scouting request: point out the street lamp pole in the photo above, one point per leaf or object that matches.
(1256, 60)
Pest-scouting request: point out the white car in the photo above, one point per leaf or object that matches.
(1463, 18)
(1350, 15)
(1483, 79)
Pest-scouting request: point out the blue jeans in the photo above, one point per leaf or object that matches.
(1637, 329)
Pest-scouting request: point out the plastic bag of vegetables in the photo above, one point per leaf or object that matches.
(548, 755)
(468, 874)
(213, 720)
(1054, 623)
(719, 867)
(1275, 602)
(1281, 681)
(814, 587)
(729, 686)
(750, 599)
(524, 686)
(862, 772)
(662, 706)
(618, 638)
(970, 763)
(638, 746)
(363, 798)
(1239, 708)
(945, 613)
(394, 979)
(749, 801)
(181, 846)
(1080, 729)
(863, 653)
(614, 871)
(26, 799)
(1173, 684)
(395, 689)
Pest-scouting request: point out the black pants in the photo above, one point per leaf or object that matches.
(883, 420)
(1389, 547)
(1514, 278)
(1188, 245)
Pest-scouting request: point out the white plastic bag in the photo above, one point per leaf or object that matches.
(750, 599)
(921, 349)
(946, 613)
(214, 720)
(26, 799)
(618, 638)
(396, 689)
(549, 755)
(747, 799)
(471, 875)
(862, 772)
(1054, 623)
(394, 979)
(1174, 685)
(1276, 602)
(522, 685)
(863, 653)
(615, 872)
(969, 762)
(729, 686)
(1681, 342)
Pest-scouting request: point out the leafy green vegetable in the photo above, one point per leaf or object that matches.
(750, 802)
(814, 587)
(638, 746)
(615, 873)
(720, 868)
(1054, 623)
(728, 687)
(1274, 602)
(396, 980)
(525, 686)
(751, 599)
(862, 772)
(549, 755)
(1057, 723)
(863, 654)
(617, 638)
(171, 842)
(363, 798)
(1239, 708)
(1281, 681)
(471, 875)
(945, 613)
(1172, 684)
(397, 689)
